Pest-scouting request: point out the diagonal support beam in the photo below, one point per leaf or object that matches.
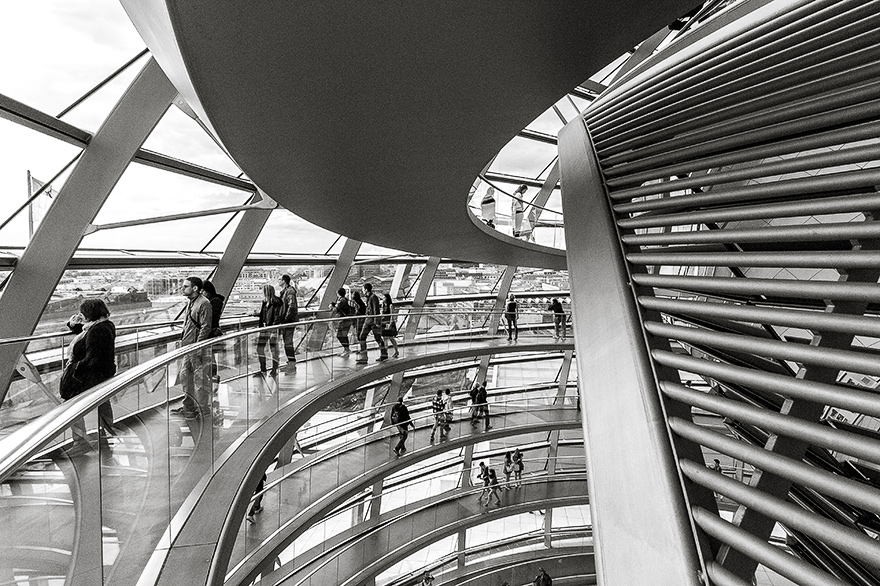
(78, 202)
(337, 279)
(240, 245)
(424, 286)
(503, 289)
(401, 280)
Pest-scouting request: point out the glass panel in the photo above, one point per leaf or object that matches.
(286, 232)
(61, 51)
(181, 137)
(247, 293)
(24, 150)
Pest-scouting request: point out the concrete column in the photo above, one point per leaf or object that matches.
(78, 202)
(636, 495)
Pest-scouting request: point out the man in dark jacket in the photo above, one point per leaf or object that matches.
(558, 319)
(289, 315)
(543, 578)
(482, 403)
(400, 417)
(372, 323)
(341, 310)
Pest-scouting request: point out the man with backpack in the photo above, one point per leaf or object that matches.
(400, 417)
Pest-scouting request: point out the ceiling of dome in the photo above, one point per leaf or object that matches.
(372, 119)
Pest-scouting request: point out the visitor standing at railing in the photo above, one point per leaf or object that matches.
(372, 323)
(389, 323)
(270, 314)
(289, 315)
(516, 209)
(341, 309)
(197, 319)
(360, 309)
(216, 300)
(517, 466)
(92, 356)
(508, 469)
(487, 207)
(558, 319)
(510, 316)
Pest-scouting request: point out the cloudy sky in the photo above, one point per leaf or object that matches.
(56, 50)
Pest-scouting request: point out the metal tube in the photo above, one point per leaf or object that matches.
(742, 35)
(835, 291)
(794, 187)
(808, 320)
(733, 85)
(832, 110)
(851, 259)
(829, 357)
(718, 576)
(795, 569)
(813, 433)
(850, 541)
(801, 163)
(813, 207)
(850, 491)
(866, 402)
(625, 174)
(805, 233)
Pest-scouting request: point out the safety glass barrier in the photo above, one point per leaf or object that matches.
(507, 546)
(151, 433)
(335, 564)
(36, 387)
(516, 213)
(356, 451)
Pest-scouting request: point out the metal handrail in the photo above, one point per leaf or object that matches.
(431, 300)
(346, 544)
(23, 443)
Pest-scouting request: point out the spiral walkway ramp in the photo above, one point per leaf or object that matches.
(698, 184)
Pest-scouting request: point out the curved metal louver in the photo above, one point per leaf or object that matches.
(742, 170)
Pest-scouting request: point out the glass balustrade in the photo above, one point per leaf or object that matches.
(91, 498)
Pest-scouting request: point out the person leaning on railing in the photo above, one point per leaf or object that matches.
(92, 356)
